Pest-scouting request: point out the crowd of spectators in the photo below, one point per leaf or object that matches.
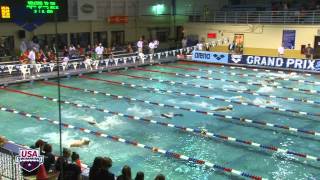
(32, 53)
(71, 167)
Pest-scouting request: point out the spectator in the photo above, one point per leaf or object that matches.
(184, 42)
(95, 168)
(32, 60)
(24, 57)
(65, 59)
(89, 50)
(139, 176)
(160, 177)
(200, 46)
(75, 158)
(109, 53)
(232, 47)
(99, 51)
(71, 171)
(46, 50)
(65, 51)
(41, 57)
(151, 47)
(140, 45)
(3, 141)
(100, 169)
(23, 46)
(129, 49)
(156, 45)
(80, 50)
(72, 51)
(281, 51)
(126, 173)
(88, 62)
(32, 56)
(308, 52)
(72, 48)
(49, 159)
(51, 56)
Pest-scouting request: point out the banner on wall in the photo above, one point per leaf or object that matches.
(288, 39)
(87, 10)
(211, 57)
(276, 62)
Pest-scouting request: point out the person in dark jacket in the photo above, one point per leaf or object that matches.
(126, 173)
(68, 171)
(100, 169)
(49, 159)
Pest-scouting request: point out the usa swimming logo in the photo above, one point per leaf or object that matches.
(29, 159)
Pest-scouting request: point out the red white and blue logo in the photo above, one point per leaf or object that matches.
(29, 159)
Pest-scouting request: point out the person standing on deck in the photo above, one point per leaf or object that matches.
(140, 46)
(309, 52)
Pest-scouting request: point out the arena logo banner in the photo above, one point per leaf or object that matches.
(211, 57)
(277, 62)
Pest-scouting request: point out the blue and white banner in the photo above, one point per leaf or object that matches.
(276, 62)
(210, 57)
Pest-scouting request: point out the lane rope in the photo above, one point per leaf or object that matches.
(196, 131)
(241, 120)
(244, 68)
(167, 153)
(221, 99)
(247, 91)
(232, 81)
(240, 74)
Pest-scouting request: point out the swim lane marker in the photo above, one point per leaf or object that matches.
(241, 120)
(212, 98)
(240, 74)
(247, 91)
(197, 131)
(139, 145)
(311, 91)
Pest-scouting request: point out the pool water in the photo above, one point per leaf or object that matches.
(244, 158)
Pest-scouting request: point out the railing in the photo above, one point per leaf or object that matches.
(9, 169)
(258, 17)
(30, 70)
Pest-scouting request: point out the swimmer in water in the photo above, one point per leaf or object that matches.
(80, 143)
(224, 108)
(203, 131)
(170, 115)
(240, 98)
(93, 122)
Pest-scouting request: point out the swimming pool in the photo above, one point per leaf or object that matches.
(193, 90)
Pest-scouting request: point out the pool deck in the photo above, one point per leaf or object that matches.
(17, 79)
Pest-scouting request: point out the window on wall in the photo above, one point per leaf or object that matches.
(49, 39)
(162, 36)
(117, 38)
(80, 38)
(8, 42)
(100, 37)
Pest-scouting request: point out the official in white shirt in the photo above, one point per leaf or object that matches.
(156, 45)
(200, 46)
(281, 51)
(140, 46)
(184, 42)
(151, 47)
(32, 59)
(32, 56)
(99, 51)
